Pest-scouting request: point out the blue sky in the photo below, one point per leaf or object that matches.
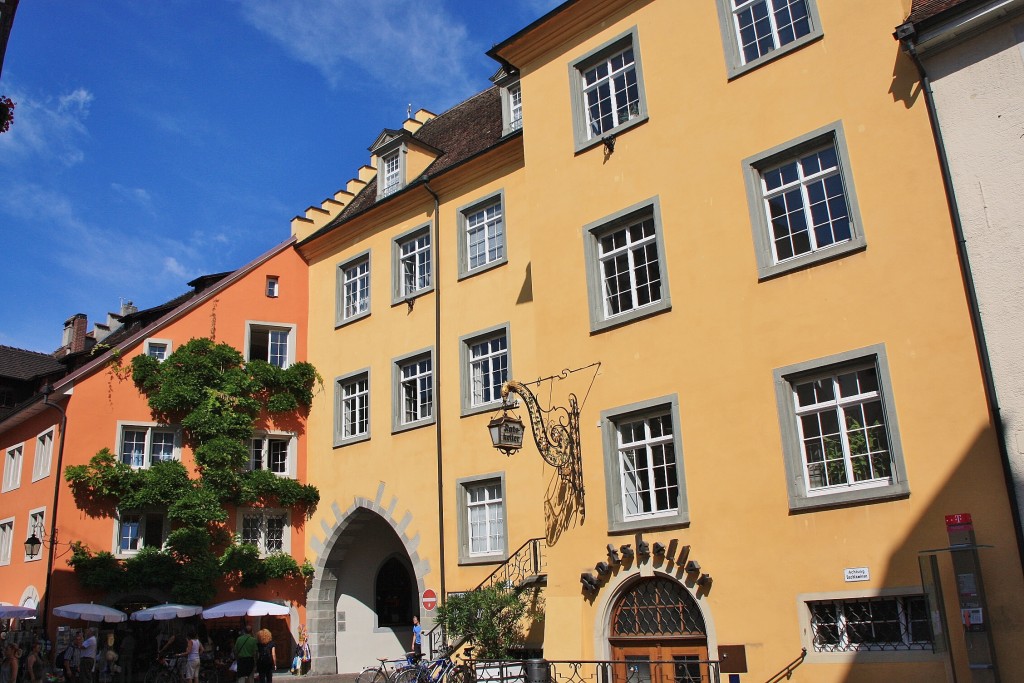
(157, 141)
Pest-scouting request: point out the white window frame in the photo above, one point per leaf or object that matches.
(615, 490)
(401, 291)
(264, 514)
(144, 516)
(755, 167)
(273, 288)
(391, 160)
(265, 438)
(353, 281)
(817, 656)
(268, 326)
(7, 527)
(647, 210)
(149, 428)
(737, 63)
(42, 460)
(14, 458)
(149, 346)
(492, 243)
(463, 488)
(583, 134)
(33, 514)
(400, 383)
(801, 495)
(470, 405)
(348, 395)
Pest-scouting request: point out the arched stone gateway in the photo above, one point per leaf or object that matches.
(369, 576)
(656, 619)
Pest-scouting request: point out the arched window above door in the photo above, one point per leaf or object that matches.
(654, 607)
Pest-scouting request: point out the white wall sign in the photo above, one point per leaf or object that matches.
(851, 574)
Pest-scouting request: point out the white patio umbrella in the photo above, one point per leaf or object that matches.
(16, 612)
(166, 611)
(87, 611)
(245, 608)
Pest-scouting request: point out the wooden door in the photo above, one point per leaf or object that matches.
(660, 662)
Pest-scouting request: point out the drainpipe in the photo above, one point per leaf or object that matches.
(436, 243)
(47, 390)
(906, 35)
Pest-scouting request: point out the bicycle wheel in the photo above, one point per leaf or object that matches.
(461, 674)
(151, 673)
(413, 674)
(209, 676)
(166, 676)
(371, 674)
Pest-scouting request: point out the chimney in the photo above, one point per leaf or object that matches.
(127, 307)
(74, 333)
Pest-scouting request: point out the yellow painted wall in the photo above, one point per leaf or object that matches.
(716, 349)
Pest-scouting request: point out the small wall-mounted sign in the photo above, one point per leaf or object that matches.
(851, 574)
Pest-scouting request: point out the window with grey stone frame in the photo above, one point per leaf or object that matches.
(627, 276)
(607, 90)
(390, 168)
(482, 234)
(412, 390)
(481, 386)
(803, 207)
(352, 408)
(840, 438)
(486, 507)
(412, 264)
(352, 295)
(645, 479)
(755, 32)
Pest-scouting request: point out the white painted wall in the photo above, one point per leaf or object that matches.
(979, 95)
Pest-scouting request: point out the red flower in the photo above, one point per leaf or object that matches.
(6, 113)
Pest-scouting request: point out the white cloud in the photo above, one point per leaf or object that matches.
(174, 269)
(135, 195)
(410, 46)
(45, 130)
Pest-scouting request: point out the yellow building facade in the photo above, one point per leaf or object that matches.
(731, 226)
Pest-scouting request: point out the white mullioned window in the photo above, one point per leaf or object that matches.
(611, 92)
(485, 235)
(143, 445)
(765, 25)
(266, 529)
(842, 427)
(392, 173)
(44, 455)
(356, 289)
(805, 203)
(415, 264)
(515, 106)
(355, 407)
(871, 624)
(417, 389)
(485, 509)
(6, 539)
(271, 452)
(488, 369)
(271, 343)
(647, 466)
(12, 467)
(630, 270)
(137, 529)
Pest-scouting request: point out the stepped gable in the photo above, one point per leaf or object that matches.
(467, 129)
(21, 364)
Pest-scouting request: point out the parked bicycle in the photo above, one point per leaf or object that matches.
(385, 671)
(164, 670)
(441, 669)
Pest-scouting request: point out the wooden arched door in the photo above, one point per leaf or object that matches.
(657, 634)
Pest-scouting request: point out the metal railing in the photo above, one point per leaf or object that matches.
(678, 670)
(525, 565)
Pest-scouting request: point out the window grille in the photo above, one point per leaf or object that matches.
(871, 624)
(657, 607)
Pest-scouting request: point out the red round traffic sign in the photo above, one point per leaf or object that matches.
(429, 600)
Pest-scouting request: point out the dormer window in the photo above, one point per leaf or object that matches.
(507, 79)
(391, 174)
(515, 106)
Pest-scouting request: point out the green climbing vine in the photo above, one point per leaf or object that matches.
(216, 397)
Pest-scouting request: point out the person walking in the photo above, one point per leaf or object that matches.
(9, 667)
(87, 660)
(193, 648)
(34, 664)
(267, 659)
(72, 659)
(245, 655)
(417, 638)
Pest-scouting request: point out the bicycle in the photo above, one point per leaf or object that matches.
(381, 672)
(440, 669)
(164, 670)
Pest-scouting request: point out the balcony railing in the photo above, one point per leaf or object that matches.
(684, 669)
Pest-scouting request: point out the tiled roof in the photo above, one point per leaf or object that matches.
(923, 10)
(465, 130)
(25, 365)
